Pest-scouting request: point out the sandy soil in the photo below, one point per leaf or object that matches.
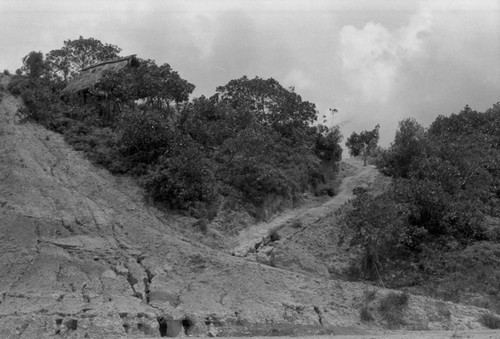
(82, 255)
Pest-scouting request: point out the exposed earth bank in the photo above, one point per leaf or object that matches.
(83, 256)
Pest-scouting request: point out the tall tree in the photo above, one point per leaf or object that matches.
(364, 143)
(34, 65)
(157, 86)
(327, 146)
(408, 146)
(67, 61)
(270, 104)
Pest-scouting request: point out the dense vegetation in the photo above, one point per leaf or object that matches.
(438, 227)
(364, 143)
(252, 140)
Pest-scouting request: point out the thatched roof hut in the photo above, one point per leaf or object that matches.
(90, 75)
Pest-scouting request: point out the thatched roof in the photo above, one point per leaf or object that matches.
(90, 75)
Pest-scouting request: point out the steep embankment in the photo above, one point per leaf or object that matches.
(83, 256)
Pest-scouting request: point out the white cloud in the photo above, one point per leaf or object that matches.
(297, 79)
(372, 56)
(202, 28)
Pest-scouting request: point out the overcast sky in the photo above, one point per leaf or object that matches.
(375, 61)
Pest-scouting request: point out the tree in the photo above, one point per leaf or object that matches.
(183, 176)
(67, 62)
(327, 146)
(364, 143)
(377, 225)
(468, 143)
(145, 135)
(34, 65)
(211, 122)
(408, 146)
(160, 85)
(271, 105)
(157, 86)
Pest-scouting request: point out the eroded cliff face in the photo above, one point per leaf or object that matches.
(81, 255)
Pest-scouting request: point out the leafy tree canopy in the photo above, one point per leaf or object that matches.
(447, 179)
(364, 143)
(327, 146)
(408, 147)
(271, 105)
(34, 65)
(157, 86)
(67, 61)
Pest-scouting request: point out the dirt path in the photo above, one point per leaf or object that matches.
(251, 238)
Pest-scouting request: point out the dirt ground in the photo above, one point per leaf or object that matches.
(83, 255)
(414, 335)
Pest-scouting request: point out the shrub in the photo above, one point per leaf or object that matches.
(41, 102)
(145, 135)
(392, 307)
(61, 124)
(365, 314)
(256, 181)
(274, 236)
(377, 226)
(353, 272)
(408, 146)
(453, 275)
(6, 72)
(330, 190)
(17, 85)
(182, 177)
(490, 320)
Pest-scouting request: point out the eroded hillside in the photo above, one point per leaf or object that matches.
(84, 256)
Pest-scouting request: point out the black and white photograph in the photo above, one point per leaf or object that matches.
(268, 168)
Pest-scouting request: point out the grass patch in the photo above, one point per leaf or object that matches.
(468, 276)
(490, 320)
(365, 314)
(392, 307)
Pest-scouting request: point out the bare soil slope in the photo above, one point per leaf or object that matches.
(83, 256)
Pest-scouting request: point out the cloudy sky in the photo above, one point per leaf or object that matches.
(376, 61)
